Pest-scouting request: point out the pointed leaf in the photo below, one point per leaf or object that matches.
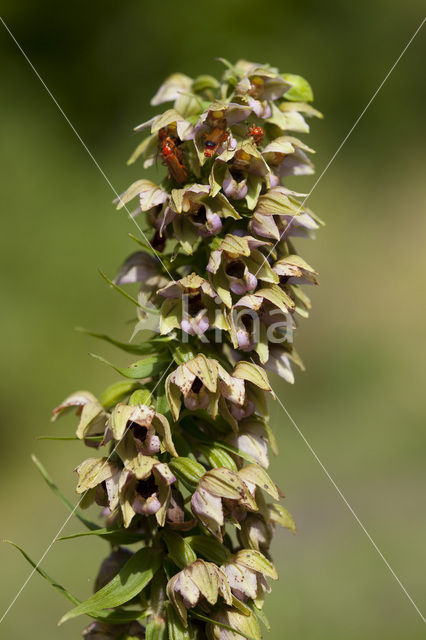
(136, 349)
(130, 580)
(145, 368)
(56, 490)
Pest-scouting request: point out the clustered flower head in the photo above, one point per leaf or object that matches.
(181, 444)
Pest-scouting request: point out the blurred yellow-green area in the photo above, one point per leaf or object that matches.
(361, 402)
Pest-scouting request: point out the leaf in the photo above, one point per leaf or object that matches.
(210, 548)
(179, 549)
(39, 570)
(130, 580)
(115, 617)
(115, 536)
(300, 89)
(119, 289)
(56, 490)
(136, 349)
(93, 438)
(252, 373)
(145, 368)
(116, 392)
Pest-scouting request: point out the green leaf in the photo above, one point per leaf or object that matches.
(94, 438)
(147, 247)
(119, 289)
(115, 536)
(145, 368)
(209, 548)
(131, 579)
(115, 617)
(300, 90)
(180, 551)
(136, 349)
(55, 489)
(39, 570)
(116, 392)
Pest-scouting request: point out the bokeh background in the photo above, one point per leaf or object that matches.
(361, 403)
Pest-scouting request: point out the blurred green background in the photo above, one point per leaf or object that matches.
(361, 403)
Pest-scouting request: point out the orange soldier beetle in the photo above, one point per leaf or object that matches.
(256, 133)
(172, 157)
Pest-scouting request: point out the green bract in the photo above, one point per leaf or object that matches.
(183, 435)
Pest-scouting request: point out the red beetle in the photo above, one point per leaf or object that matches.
(172, 157)
(256, 133)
